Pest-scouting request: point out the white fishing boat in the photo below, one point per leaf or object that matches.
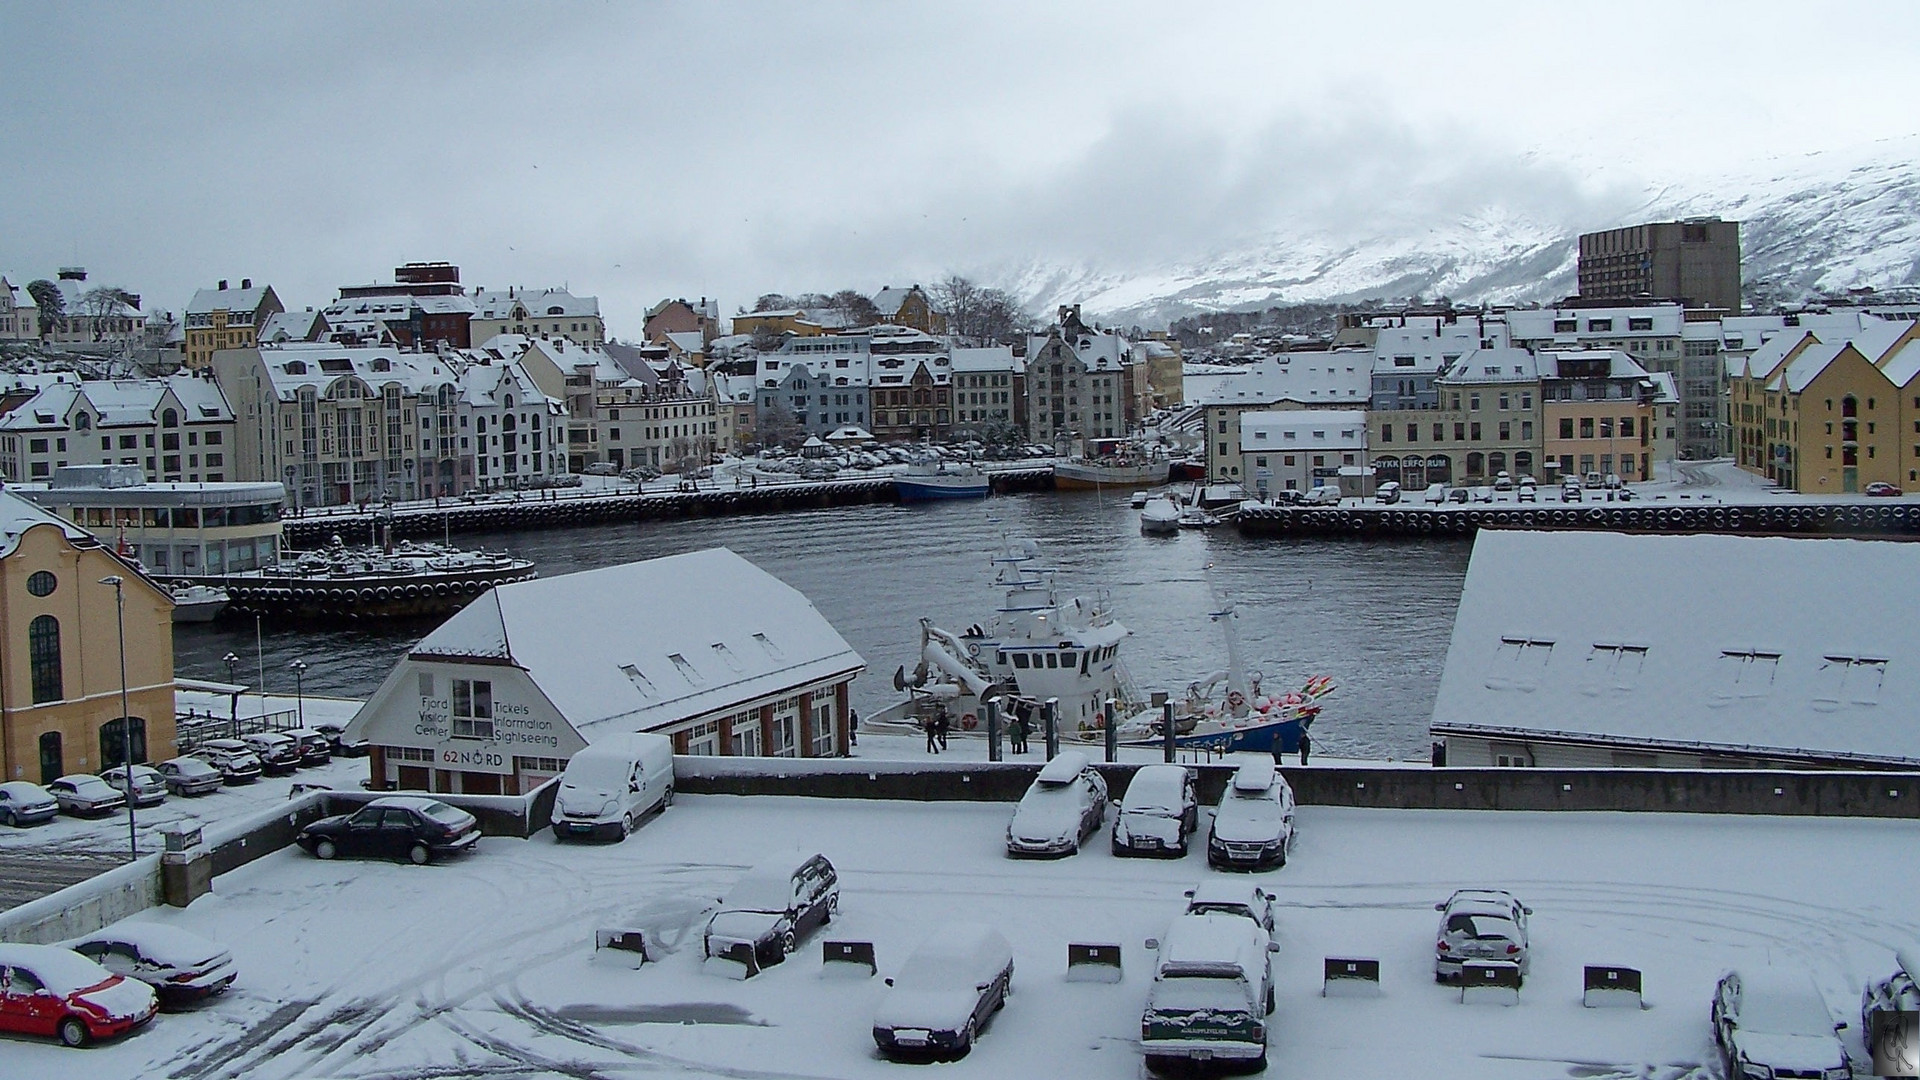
(1160, 517)
(1038, 647)
(198, 603)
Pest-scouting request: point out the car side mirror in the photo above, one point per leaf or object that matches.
(1273, 946)
(1440, 906)
(1527, 910)
(984, 985)
(1188, 894)
(1153, 944)
(889, 982)
(1841, 1026)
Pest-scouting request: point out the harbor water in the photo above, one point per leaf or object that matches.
(1376, 616)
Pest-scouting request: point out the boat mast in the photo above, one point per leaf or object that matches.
(1229, 620)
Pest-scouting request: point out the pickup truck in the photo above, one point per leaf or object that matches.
(1212, 992)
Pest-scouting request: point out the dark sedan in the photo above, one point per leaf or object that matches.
(409, 827)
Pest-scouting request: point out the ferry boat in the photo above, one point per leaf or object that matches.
(1039, 646)
(411, 580)
(923, 481)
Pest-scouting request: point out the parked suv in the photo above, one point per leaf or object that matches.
(237, 762)
(1066, 804)
(1253, 825)
(1896, 992)
(279, 754)
(773, 906)
(1773, 1022)
(1228, 896)
(314, 746)
(1480, 924)
(1212, 992)
(1158, 813)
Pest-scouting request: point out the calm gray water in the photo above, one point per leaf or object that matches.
(1374, 615)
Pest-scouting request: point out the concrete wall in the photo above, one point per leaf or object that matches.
(85, 907)
(1699, 791)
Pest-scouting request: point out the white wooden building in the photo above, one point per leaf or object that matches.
(1578, 649)
(704, 647)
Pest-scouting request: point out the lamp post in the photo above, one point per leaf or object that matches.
(233, 699)
(299, 690)
(126, 725)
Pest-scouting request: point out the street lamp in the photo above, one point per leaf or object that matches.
(299, 692)
(126, 725)
(233, 698)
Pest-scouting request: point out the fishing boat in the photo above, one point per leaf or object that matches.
(1160, 517)
(1123, 471)
(410, 580)
(194, 603)
(927, 480)
(1038, 647)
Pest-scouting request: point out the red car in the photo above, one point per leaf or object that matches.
(47, 990)
(1883, 489)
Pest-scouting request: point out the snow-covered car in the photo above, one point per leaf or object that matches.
(237, 762)
(1526, 491)
(48, 990)
(773, 906)
(180, 966)
(315, 747)
(945, 993)
(84, 794)
(1895, 993)
(1502, 481)
(337, 740)
(1571, 491)
(1435, 493)
(1387, 494)
(1458, 495)
(188, 776)
(1065, 804)
(23, 803)
(412, 827)
(1483, 494)
(1253, 825)
(601, 468)
(1212, 992)
(1480, 924)
(278, 752)
(1229, 896)
(1158, 812)
(149, 787)
(1323, 495)
(1772, 1022)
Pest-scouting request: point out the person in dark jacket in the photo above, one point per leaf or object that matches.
(1306, 746)
(945, 728)
(933, 730)
(1017, 732)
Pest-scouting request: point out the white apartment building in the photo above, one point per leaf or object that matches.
(1300, 449)
(1341, 379)
(537, 313)
(177, 428)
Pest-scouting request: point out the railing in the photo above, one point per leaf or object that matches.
(193, 727)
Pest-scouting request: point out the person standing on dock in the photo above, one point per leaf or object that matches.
(1017, 731)
(933, 729)
(1306, 746)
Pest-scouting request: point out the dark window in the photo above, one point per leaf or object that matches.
(43, 650)
(53, 764)
(42, 583)
(118, 737)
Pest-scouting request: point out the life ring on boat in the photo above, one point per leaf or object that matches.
(1236, 699)
(969, 721)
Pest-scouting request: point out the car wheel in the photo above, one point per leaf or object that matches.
(1283, 855)
(1269, 1001)
(9, 818)
(419, 854)
(325, 849)
(73, 1031)
(787, 943)
(626, 826)
(668, 801)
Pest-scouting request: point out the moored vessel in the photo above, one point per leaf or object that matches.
(339, 582)
(923, 481)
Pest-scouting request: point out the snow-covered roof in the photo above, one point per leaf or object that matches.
(888, 300)
(1762, 646)
(994, 358)
(600, 645)
(284, 326)
(539, 303)
(571, 357)
(207, 301)
(1619, 364)
(1902, 364)
(18, 514)
(1303, 429)
(1493, 366)
(1807, 366)
(687, 341)
(320, 364)
(120, 403)
(1343, 377)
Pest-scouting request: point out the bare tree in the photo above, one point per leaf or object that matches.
(779, 428)
(855, 307)
(979, 315)
(106, 302)
(774, 301)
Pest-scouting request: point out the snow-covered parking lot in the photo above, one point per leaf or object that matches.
(485, 967)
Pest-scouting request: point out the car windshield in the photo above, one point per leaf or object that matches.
(1262, 810)
(760, 892)
(1482, 927)
(89, 785)
(1785, 1013)
(193, 767)
(64, 972)
(1205, 908)
(926, 970)
(444, 814)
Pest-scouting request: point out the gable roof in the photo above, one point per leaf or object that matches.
(631, 647)
(1767, 668)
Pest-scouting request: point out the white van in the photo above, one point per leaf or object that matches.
(612, 783)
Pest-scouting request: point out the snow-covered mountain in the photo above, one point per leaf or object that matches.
(1820, 223)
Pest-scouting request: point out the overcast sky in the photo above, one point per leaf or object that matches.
(635, 152)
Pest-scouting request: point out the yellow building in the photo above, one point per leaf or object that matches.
(226, 318)
(1830, 417)
(908, 307)
(792, 321)
(60, 706)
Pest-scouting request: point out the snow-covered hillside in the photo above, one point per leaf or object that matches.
(1817, 223)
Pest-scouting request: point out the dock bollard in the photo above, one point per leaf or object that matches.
(1113, 733)
(1050, 726)
(1167, 744)
(993, 731)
